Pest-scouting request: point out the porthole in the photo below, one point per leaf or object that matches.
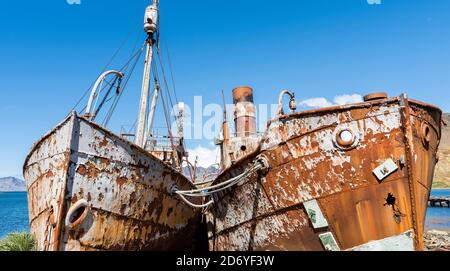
(345, 138)
(425, 131)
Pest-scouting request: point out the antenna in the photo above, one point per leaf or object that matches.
(224, 107)
(225, 128)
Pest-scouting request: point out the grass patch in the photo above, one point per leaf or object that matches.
(18, 241)
(441, 185)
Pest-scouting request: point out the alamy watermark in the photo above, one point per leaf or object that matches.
(374, 2)
(73, 2)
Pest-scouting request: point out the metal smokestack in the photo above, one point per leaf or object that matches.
(244, 112)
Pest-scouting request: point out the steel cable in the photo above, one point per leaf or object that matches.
(212, 190)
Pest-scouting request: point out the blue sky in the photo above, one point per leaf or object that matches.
(51, 52)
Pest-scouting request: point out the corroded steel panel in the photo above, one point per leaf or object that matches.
(129, 193)
(359, 216)
(329, 155)
(402, 242)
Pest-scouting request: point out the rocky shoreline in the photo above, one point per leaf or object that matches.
(437, 240)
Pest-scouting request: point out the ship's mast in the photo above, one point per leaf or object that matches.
(151, 114)
(150, 27)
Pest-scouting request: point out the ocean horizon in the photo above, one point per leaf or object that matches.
(14, 213)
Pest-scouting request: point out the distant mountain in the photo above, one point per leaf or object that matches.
(12, 184)
(202, 174)
(442, 173)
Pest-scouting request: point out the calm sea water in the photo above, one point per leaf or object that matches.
(14, 213)
(438, 218)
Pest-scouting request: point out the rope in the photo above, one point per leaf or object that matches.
(208, 191)
(212, 190)
(193, 205)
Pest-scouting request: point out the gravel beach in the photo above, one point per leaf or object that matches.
(437, 240)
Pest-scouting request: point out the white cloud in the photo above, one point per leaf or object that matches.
(348, 99)
(316, 102)
(338, 100)
(206, 157)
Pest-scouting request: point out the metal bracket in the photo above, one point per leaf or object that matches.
(385, 169)
(292, 103)
(329, 242)
(315, 214)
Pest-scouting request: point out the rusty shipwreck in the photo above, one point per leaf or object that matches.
(352, 177)
(90, 189)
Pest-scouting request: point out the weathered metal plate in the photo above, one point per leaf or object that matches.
(385, 169)
(402, 242)
(328, 242)
(315, 214)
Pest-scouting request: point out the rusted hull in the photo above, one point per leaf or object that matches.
(88, 189)
(322, 193)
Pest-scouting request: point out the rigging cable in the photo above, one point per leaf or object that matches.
(165, 81)
(168, 95)
(104, 69)
(167, 116)
(171, 73)
(103, 88)
(170, 65)
(177, 119)
(105, 98)
(166, 113)
(117, 98)
(137, 56)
